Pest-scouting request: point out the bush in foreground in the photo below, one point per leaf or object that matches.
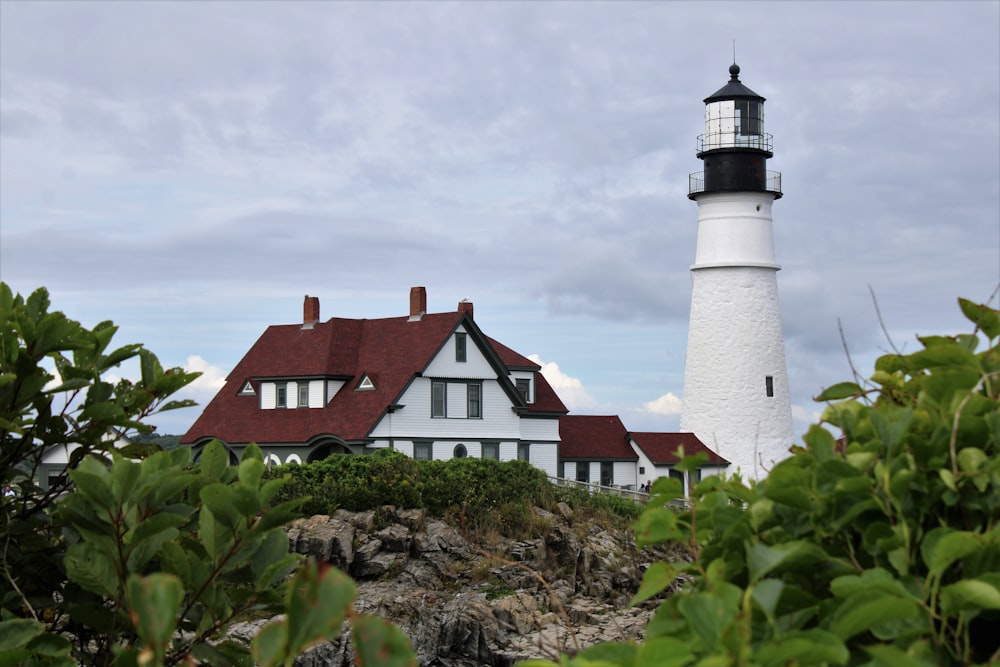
(883, 549)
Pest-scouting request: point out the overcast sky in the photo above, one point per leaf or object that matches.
(192, 170)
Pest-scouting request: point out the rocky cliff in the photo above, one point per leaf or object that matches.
(462, 604)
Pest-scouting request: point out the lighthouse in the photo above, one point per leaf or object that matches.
(736, 397)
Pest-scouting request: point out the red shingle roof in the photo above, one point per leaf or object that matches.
(594, 437)
(661, 448)
(390, 351)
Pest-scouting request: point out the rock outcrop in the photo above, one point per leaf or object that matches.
(462, 605)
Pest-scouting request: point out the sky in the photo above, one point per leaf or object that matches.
(192, 170)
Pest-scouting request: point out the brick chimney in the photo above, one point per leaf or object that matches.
(310, 310)
(465, 306)
(418, 303)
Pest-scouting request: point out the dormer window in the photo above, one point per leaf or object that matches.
(524, 388)
(461, 340)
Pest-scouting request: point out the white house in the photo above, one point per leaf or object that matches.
(432, 386)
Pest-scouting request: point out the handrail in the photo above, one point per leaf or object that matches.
(772, 183)
(733, 139)
(593, 487)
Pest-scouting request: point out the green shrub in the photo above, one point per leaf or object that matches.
(140, 557)
(882, 549)
(483, 495)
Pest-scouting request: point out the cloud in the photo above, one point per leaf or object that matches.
(570, 389)
(668, 404)
(210, 381)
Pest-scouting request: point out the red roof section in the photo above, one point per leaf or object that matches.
(661, 448)
(390, 351)
(594, 437)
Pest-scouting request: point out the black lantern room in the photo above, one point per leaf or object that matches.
(734, 147)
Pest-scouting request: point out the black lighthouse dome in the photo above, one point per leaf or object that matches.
(734, 146)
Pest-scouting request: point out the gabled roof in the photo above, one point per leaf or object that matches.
(391, 352)
(661, 448)
(590, 437)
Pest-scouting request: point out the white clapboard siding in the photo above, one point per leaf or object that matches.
(475, 365)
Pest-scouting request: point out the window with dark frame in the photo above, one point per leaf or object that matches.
(439, 398)
(524, 388)
(422, 451)
(491, 450)
(523, 451)
(460, 451)
(460, 345)
(769, 385)
(582, 471)
(607, 473)
(281, 395)
(474, 394)
(303, 388)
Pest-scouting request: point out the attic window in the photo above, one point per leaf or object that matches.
(460, 344)
(366, 384)
(247, 390)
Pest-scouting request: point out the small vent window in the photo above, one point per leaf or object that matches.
(460, 451)
(769, 385)
(366, 384)
(247, 389)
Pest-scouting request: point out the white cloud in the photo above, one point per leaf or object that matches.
(570, 389)
(211, 380)
(668, 404)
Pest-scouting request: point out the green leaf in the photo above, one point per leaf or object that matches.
(969, 594)
(657, 525)
(92, 480)
(851, 619)
(270, 644)
(214, 460)
(220, 500)
(762, 559)
(951, 547)
(17, 632)
(214, 535)
(273, 550)
(149, 537)
(839, 392)
(708, 615)
(92, 568)
(984, 317)
(766, 593)
(970, 459)
(654, 581)
(318, 600)
(380, 644)
(154, 603)
(808, 647)
(663, 652)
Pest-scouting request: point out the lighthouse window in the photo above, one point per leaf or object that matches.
(769, 385)
(748, 117)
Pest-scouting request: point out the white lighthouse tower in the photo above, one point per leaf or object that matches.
(736, 397)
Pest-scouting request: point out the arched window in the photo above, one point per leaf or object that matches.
(460, 451)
